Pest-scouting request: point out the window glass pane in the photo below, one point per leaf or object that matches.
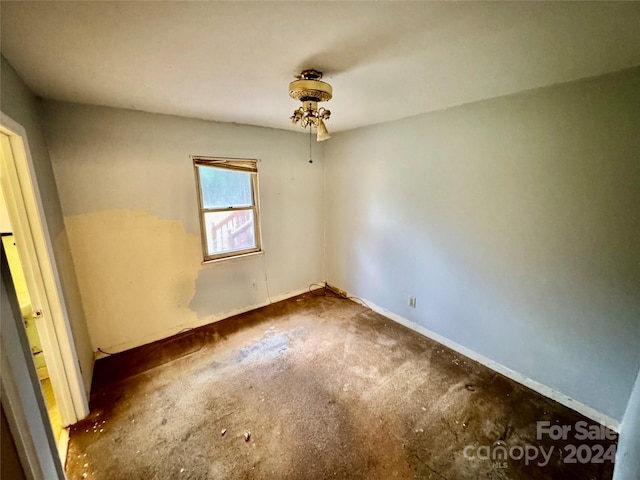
(229, 231)
(223, 188)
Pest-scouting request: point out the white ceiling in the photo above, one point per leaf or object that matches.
(232, 61)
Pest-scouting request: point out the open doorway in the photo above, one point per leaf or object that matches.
(30, 258)
(30, 317)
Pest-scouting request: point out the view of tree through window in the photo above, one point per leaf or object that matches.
(228, 207)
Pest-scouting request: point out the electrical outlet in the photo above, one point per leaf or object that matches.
(412, 302)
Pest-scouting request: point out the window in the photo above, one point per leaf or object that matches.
(228, 201)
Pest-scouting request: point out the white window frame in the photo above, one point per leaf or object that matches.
(234, 164)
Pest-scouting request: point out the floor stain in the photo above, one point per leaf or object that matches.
(315, 388)
(267, 347)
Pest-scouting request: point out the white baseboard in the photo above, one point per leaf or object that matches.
(542, 389)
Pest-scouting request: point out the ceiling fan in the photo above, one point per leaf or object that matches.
(310, 90)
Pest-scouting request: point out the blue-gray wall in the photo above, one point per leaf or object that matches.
(514, 221)
(127, 190)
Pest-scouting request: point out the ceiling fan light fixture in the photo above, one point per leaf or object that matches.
(309, 86)
(310, 90)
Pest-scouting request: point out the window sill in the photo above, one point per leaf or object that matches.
(234, 257)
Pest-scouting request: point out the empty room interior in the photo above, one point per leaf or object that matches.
(312, 240)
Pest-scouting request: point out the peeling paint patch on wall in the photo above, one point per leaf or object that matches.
(137, 275)
(128, 194)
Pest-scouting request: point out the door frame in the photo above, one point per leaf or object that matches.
(21, 395)
(35, 249)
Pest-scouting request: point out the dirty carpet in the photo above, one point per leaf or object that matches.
(317, 387)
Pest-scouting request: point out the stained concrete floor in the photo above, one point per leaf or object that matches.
(326, 389)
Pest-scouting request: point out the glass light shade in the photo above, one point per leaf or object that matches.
(323, 133)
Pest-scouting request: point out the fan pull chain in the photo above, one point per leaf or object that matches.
(310, 128)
